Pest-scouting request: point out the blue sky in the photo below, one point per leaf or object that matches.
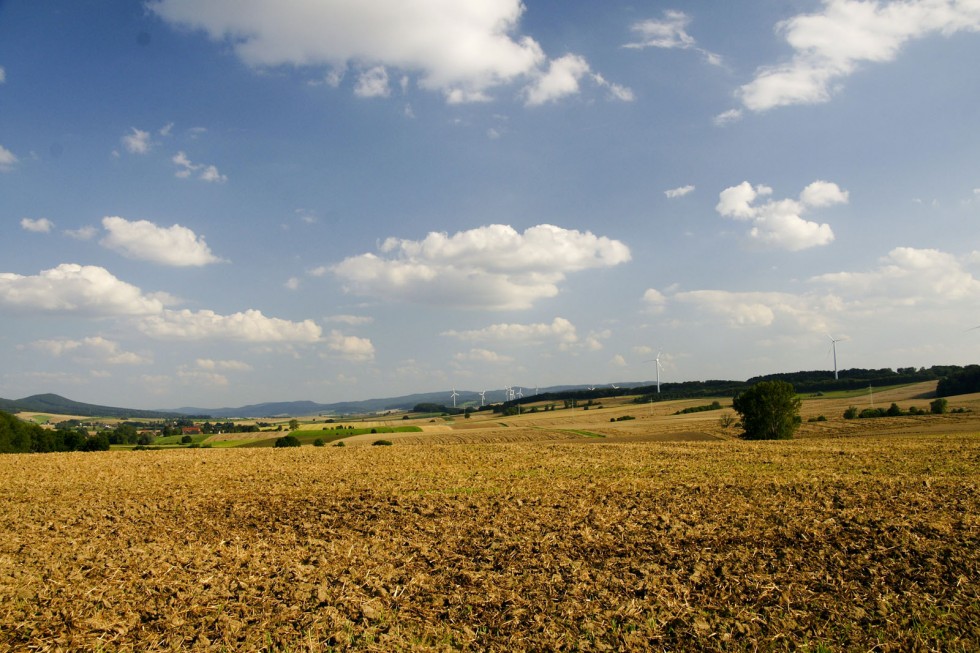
(221, 202)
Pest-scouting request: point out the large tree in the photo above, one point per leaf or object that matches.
(770, 410)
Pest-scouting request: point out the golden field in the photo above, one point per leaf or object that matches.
(517, 533)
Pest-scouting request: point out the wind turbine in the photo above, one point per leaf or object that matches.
(659, 367)
(833, 344)
(483, 398)
(454, 395)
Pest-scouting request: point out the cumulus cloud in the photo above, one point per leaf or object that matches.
(95, 349)
(780, 223)
(669, 33)
(679, 192)
(40, 225)
(247, 326)
(224, 365)
(373, 83)
(830, 44)
(350, 348)
(727, 117)
(205, 172)
(462, 49)
(137, 141)
(563, 77)
(809, 312)
(144, 241)
(82, 233)
(654, 300)
(908, 276)
(491, 267)
(559, 330)
(477, 355)
(351, 320)
(7, 159)
(72, 288)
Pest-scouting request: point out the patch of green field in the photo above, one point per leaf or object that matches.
(860, 392)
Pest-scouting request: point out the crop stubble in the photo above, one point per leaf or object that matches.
(857, 543)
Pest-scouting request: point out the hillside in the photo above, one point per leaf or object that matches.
(52, 403)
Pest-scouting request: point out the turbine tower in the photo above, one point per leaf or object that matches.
(833, 345)
(659, 367)
(483, 398)
(454, 395)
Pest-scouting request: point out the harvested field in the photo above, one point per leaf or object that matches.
(820, 543)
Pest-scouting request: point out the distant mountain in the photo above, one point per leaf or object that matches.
(58, 405)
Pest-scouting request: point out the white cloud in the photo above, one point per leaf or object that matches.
(351, 320)
(72, 288)
(679, 192)
(477, 355)
(7, 159)
(908, 277)
(559, 330)
(144, 241)
(247, 326)
(491, 267)
(40, 225)
(186, 168)
(227, 365)
(3, 75)
(727, 117)
(618, 361)
(82, 233)
(373, 83)
(350, 347)
(830, 44)
(166, 129)
(809, 312)
(655, 300)
(95, 349)
(190, 376)
(458, 48)
(560, 80)
(137, 141)
(780, 223)
(671, 32)
(668, 33)
(292, 283)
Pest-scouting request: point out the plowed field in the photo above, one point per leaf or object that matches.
(835, 543)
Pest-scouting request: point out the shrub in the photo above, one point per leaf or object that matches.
(381, 443)
(186, 439)
(769, 410)
(851, 412)
(287, 441)
(894, 410)
(726, 420)
(340, 444)
(938, 406)
(318, 442)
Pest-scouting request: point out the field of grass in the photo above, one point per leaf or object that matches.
(519, 534)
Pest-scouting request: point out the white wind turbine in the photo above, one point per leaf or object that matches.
(483, 398)
(833, 345)
(454, 395)
(659, 367)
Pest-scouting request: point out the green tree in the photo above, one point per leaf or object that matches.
(287, 441)
(938, 406)
(293, 424)
(770, 410)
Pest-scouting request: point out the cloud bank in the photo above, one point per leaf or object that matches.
(491, 267)
(829, 45)
(779, 223)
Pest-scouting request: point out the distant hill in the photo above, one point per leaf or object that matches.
(804, 382)
(58, 405)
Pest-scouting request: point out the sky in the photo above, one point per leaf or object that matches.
(221, 202)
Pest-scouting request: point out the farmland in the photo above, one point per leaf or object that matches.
(511, 533)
